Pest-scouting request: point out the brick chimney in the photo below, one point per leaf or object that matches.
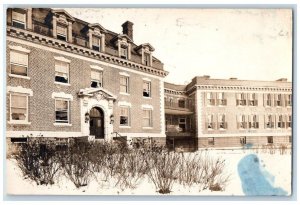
(127, 29)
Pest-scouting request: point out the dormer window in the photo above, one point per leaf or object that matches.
(18, 20)
(124, 52)
(96, 42)
(147, 59)
(61, 32)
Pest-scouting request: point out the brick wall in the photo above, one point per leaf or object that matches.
(42, 107)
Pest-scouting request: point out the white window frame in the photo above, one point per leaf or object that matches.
(20, 51)
(60, 34)
(147, 62)
(210, 121)
(269, 100)
(150, 118)
(128, 116)
(23, 122)
(68, 73)
(127, 84)
(149, 88)
(98, 81)
(98, 39)
(124, 52)
(60, 122)
(25, 17)
(223, 120)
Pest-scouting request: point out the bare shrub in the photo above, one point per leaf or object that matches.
(163, 170)
(77, 164)
(38, 161)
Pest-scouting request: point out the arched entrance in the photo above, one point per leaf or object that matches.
(97, 123)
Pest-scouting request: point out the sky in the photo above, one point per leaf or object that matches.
(249, 44)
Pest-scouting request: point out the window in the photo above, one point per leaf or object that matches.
(61, 32)
(269, 121)
(61, 72)
(124, 116)
(270, 140)
(181, 103)
(252, 99)
(210, 124)
(280, 122)
(221, 99)
(210, 99)
(146, 89)
(269, 100)
(18, 107)
(96, 79)
(147, 118)
(222, 122)
(18, 20)
(210, 141)
(96, 43)
(124, 52)
(242, 122)
(241, 99)
(289, 121)
(243, 140)
(146, 59)
(278, 100)
(289, 100)
(61, 111)
(182, 124)
(18, 63)
(124, 82)
(253, 121)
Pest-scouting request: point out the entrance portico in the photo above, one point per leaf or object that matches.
(96, 113)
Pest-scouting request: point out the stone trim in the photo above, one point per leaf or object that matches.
(62, 95)
(124, 103)
(20, 89)
(60, 58)
(19, 48)
(96, 67)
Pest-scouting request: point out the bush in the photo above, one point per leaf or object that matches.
(77, 164)
(38, 161)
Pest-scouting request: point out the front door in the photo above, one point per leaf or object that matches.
(97, 123)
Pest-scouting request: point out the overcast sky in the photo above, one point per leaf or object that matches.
(247, 44)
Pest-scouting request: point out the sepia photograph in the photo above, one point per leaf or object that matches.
(148, 101)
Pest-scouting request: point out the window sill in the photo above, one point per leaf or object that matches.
(125, 127)
(18, 122)
(147, 97)
(65, 84)
(58, 124)
(148, 128)
(124, 93)
(19, 76)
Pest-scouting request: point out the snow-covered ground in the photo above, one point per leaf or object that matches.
(279, 166)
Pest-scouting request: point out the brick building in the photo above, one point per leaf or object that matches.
(70, 78)
(228, 113)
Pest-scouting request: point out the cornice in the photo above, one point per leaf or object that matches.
(79, 50)
(241, 88)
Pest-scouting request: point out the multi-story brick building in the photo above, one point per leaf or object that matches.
(70, 78)
(229, 113)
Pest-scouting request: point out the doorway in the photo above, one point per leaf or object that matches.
(97, 123)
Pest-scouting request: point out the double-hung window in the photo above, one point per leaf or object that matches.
(124, 84)
(61, 72)
(278, 100)
(147, 59)
(18, 63)
(269, 121)
(222, 122)
(96, 42)
(289, 121)
(124, 52)
(210, 99)
(124, 116)
(210, 120)
(253, 121)
(147, 89)
(61, 32)
(96, 79)
(147, 118)
(242, 124)
(221, 99)
(18, 20)
(62, 111)
(269, 99)
(18, 107)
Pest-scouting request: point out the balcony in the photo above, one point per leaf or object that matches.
(177, 108)
(178, 131)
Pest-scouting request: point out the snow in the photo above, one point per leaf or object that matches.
(277, 165)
